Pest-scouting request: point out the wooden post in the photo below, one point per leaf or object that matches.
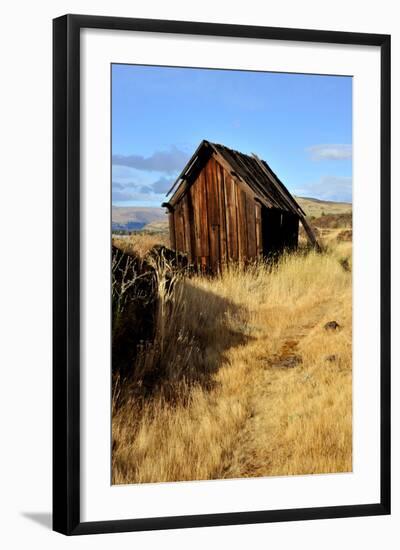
(310, 233)
(171, 222)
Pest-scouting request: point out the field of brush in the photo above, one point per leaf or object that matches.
(245, 377)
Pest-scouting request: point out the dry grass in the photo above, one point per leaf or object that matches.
(313, 207)
(140, 243)
(278, 395)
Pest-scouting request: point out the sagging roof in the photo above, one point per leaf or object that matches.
(251, 170)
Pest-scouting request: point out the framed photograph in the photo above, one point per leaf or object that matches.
(221, 274)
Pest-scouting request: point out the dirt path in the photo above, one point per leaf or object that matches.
(273, 383)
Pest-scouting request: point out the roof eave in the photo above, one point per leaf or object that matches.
(188, 165)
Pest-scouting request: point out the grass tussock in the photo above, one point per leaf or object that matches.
(140, 243)
(251, 383)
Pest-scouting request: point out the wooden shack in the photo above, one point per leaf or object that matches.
(227, 206)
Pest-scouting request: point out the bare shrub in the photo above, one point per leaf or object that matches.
(133, 308)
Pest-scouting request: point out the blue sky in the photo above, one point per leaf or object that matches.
(301, 125)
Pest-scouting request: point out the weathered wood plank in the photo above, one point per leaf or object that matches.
(186, 227)
(214, 259)
(241, 224)
(231, 217)
(171, 223)
(192, 228)
(310, 233)
(204, 263)
(204, 230)
(213, 215)
(238, 177)
(251, 228)
(212, 192)
(176, 222)
(218, 219)
(194, 195)
(259, 242)
(179, 229)
(223, 245)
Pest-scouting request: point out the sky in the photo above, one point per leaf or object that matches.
(301, 125)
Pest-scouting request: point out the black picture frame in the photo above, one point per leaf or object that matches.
(66, 273)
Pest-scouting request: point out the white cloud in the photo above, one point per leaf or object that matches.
(329, 188)
(122, 196)
(121, 171)
(163, 185)
(330, 152)
(127, 191)
(168, 162)
(117, 185)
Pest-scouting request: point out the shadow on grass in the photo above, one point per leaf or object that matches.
(181, 339)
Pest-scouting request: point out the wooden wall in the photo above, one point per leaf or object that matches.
(218, 220)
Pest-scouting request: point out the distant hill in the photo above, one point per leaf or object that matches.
(157, 226)
(154, 219)
(318, 208)
(135, 218)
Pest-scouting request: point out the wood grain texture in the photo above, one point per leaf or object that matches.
(222, 217)
(171, 224)
(231, 219)
(259, 242)
(229, 208)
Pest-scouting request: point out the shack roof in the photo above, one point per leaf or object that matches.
(250, 170)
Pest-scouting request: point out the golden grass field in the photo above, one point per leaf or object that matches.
(316, 208)
(259, 386)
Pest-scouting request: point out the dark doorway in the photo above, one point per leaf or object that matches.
(271, 220)
(280, 230)
(290, 230)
